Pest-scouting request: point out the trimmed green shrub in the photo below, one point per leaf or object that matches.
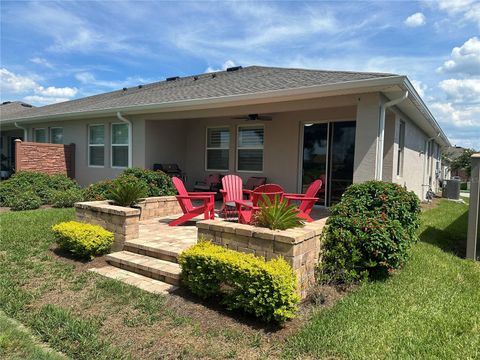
(26, 200)
(277, 215)
(98, 191)
(40, 184)
(66, 198)
(158, 183)
(84, 241)
(128, 192)
(369, 232)
(266, 289)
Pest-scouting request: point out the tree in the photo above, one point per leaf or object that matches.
(462, 162)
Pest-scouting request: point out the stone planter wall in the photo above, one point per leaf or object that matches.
(124, 221)
(300, 247)
(154, 207)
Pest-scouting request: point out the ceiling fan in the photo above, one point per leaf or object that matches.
(254, 117)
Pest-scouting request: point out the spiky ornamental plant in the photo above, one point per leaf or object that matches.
(277, 215)
(126, 193)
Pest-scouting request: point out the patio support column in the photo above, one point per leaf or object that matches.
(368, 112)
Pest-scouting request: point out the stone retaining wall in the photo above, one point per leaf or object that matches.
(160, 206)
(123, 222)
(300, 246)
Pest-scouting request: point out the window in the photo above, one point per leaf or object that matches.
(56, 135)
(250, 148)
(218, 145)
(96, 145)
(40, 135)
(120, 140)
(401, 147)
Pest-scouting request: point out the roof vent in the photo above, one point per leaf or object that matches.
(140, 86)
(195, 78)
(214, 76)
(27, 105)
(6, 102)
(173, 78)
(234, 68)
(124, 89)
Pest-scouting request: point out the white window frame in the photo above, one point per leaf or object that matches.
(127, 145)
(35, 134)
(237, 148)
(401, 149)
(50, 133)
(89, 145)
(220, 148)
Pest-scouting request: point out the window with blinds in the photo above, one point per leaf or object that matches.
(96, 145)
(119, 145)
(250, 148)
(218, 146)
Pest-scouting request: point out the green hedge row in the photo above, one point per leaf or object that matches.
(266, 289)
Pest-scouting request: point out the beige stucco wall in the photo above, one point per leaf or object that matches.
(76, 131)
(183, 142)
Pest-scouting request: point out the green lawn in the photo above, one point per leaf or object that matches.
(16, 342)
(428, 310)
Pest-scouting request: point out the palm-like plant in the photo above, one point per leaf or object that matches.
(128, 193)
(277, 215)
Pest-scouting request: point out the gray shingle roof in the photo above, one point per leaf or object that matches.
(249, 80)
(10, 108)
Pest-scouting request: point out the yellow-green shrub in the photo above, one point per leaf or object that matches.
(84, 241)
(266, 289)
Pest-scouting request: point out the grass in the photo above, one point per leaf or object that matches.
(427, 310)
(16, 342)
(430, 309)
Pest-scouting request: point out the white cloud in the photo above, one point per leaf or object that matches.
(451, 114)
(41, 61)
(420, 87)
(415, 20)
(468, 9)
(53, 91)
(43, 100)
(13, 84)
(464, 59)
(462, 90)
(227, 64)
(89, 79)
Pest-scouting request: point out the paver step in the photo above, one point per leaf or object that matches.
(134, 279)
(157, 249)
(147, 266)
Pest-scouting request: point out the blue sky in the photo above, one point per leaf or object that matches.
(55, 51)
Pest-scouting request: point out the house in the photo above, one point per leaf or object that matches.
(290, 125)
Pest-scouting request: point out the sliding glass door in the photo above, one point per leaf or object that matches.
(328, 153)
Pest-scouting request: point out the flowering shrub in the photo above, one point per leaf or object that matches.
(84, 241)
(266, 289)
(369, 232)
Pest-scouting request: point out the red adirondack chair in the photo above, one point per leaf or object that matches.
(246, 209)
(307, 200)
(232, 190)
(185, 200)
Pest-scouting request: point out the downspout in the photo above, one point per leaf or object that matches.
(25, 131)
(130, 142)
(381, 134)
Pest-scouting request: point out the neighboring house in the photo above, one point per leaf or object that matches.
(451, 154)
(290, 125)
(7, 138)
